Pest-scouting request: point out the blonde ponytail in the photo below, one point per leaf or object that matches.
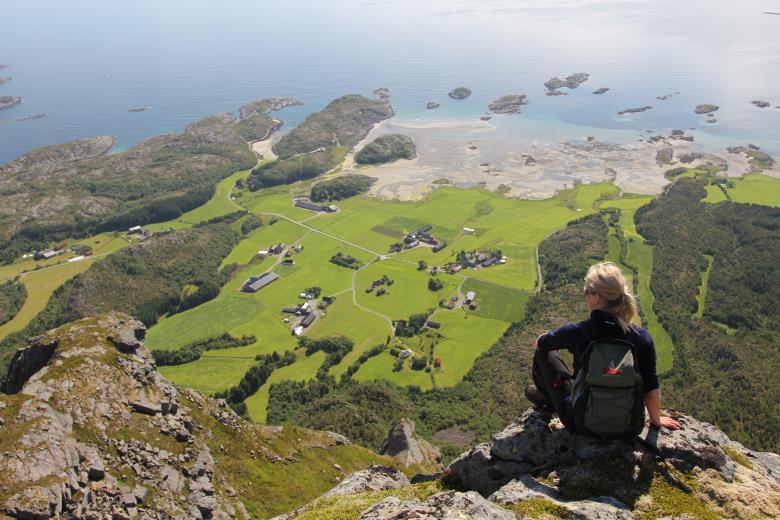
(606, 280)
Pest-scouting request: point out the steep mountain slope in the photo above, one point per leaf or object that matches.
(90, 429)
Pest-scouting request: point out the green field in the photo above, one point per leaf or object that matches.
(465, 337)
(381, 367)
(40, 285)
(701, 297)
(302, 370)
(495, 302)
(640, 255)
(756, 189)
(714, 194)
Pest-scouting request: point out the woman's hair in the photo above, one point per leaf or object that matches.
(606, 280)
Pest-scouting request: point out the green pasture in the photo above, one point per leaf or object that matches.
(262, 238)
(465, 338)
(701, 296)
(302, 370)
(756, 189)
(381, 367)
(714, 194)
(495, 302)
(628, 204)
(40, 285)
(641, 256)
(364, 328)
(209, 375)
(273, 200)
(408, 295)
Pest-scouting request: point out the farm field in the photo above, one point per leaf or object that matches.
(496, 302)
(465, 337)
(714, 194)
(40, 285)
(640, 255)
(756, 189)
(701, 297)
(302, 370)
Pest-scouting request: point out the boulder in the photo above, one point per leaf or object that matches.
(407, 448)
(431, 105)
(372, 479)
(445, 505)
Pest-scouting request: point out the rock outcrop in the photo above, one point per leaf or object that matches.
(553, 85)
(459, 93)
(634, 110)
(537, 469)
(509, 104)
(705, 108)
(267, 105)
(431, 105)
(761, 104)
(602, 90)
(9, 101)
(92, 430)
(407, 448)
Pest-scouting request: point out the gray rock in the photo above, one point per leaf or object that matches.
(127, 335)
(761, 104)
(407, 448)
(479, 471)
(372, 479)
(599, 508)
(431, 105)
(602, 90)
(27, 361)
(509, 104)
(459, 93)
(705, 108)
(445, 505)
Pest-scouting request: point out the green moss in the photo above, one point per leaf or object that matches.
(737, 457)
(541, 508)
(348, 507)
(674, 495)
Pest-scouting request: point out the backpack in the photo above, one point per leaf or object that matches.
(608, 393)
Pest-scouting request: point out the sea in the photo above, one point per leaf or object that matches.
(85, 63)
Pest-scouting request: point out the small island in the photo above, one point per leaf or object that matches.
(634, 110)
(139, 109)
(509, 104)
(9, 101)
(264, 106)
(602, 90)
(572, 81)
(431, 105)
(705, 108)
(761, 104)
(387, 148)
(459, 93)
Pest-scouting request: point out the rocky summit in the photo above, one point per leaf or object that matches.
(536, 469)
(90, 429)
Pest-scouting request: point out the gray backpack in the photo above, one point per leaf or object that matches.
(608, 393)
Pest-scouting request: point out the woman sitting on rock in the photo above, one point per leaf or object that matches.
(614, 364)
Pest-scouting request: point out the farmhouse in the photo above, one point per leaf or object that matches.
(45, 255)
(405, 353)
(290, 310)
(262, 253)
(255, 283)
(135, 230)
(288, 261)
(380, 292)
(470, 297)
(468, 230)
(439, 246)
(277, 249)
(308, 320)
(433, 324)
(297, 331)
(306, 203)
(424, 229)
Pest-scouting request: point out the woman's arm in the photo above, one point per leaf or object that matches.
(653, 404)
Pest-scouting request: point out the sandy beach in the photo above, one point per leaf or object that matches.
(470, 153)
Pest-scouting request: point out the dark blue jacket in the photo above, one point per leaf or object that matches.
(574, 337)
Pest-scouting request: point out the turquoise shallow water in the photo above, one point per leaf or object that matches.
(84, 63)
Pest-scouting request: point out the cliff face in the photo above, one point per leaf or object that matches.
(91, 430)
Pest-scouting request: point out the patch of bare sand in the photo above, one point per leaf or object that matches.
(479, 153)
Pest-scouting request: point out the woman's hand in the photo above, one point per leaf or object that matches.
(669, 423)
